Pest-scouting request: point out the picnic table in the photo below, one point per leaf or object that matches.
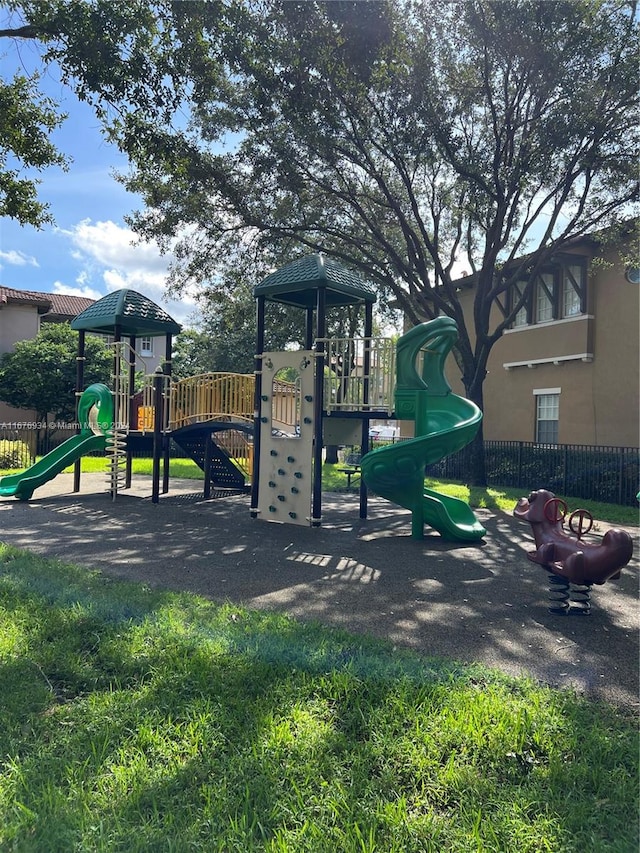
(351, 467)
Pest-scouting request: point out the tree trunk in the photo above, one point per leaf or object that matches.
(477, 468)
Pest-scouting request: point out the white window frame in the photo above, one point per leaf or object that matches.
(571, 301)
(559, 293)
(521, 318)
(146, 351)
(544, 302)
(547, 400)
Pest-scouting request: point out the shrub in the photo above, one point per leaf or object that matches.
(14, 454)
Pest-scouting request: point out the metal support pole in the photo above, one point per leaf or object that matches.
(366, 391)
(168, 353)
(208, 453)
(316, 508)
(308, 335)
(157, 434)
(255, 480)
(131, 416)
(80, 360)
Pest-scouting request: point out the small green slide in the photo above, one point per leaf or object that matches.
(445, 423)
(95, 415)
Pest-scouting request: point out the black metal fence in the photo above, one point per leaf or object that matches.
(607, 474)
(18, 448)
(47, 441)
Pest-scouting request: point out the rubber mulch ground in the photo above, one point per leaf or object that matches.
(482, 602)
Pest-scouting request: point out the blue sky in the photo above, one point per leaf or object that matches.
(89, 251)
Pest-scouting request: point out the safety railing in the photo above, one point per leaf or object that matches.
(359, 374)
(144, 412)
(238, 447)
(211, 396)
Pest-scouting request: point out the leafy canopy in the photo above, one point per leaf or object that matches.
(403, 138)
(406, 138)
(26, 121)
(101, 48)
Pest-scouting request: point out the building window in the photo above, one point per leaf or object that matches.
(547, 415)
(544, 298)
(146, 347)
(558, 293)
(572, 288)
(521, 318)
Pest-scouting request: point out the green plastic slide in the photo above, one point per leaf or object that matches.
(445, 423)
(95, 414)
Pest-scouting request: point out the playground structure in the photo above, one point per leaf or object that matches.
(573, 565)
(265, 433)
(334, 405)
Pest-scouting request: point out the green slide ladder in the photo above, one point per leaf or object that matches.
(444, 423)
(95, 415)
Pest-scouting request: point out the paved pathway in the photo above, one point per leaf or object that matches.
(481, 602)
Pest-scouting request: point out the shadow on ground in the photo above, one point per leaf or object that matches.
(481, 602)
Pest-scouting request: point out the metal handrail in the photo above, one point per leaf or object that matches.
(211, 396)
(360, 374)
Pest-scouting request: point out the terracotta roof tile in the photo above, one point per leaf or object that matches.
(69, 306)
(9, 294)
(57, 305)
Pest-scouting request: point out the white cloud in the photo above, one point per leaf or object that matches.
(66, 290)
(111, 245)
(113, 258)
(18, 259)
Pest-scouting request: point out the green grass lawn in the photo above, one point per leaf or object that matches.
(140, 720)
(496, 498)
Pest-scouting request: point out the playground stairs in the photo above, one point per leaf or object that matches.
(223, 472)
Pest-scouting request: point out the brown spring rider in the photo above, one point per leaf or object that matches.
(566, 557)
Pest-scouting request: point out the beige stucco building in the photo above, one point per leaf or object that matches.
(21, 314)
(567, 371)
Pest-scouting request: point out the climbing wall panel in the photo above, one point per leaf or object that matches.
(286, 437)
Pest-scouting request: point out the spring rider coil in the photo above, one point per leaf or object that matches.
(573, 565)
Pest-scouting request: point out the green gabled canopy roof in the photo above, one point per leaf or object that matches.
(129, 310)
(298, 283)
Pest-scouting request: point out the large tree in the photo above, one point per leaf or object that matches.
(26, 120)
(400, 137)
(102, 48)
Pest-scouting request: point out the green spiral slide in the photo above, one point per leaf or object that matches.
(95, 415)
(444, 423)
